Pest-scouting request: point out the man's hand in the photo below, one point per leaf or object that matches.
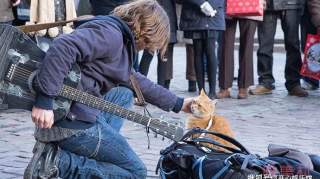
(42, 118)
(318, 30)
(15, 3)
(186, 107)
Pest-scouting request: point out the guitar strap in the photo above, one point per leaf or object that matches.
(135, 85)
(31, 28)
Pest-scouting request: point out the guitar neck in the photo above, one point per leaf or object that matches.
(161, 127)
(103, 105)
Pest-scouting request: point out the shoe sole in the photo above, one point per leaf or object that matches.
(37, 150)
(262, 93)
(292, 94)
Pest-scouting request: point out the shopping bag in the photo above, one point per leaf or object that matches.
(311, 62)
(244, 8)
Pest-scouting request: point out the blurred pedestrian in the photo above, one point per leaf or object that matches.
(165, 65)
(200, 20)
(289, 12)
(6, 13)
(104, 7)
(247, 25)
(307, 27)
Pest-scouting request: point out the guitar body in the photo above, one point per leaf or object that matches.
(20, 60)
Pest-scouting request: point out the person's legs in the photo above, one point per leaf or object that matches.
(190, 70)
(199, 62)
(165, 67)
(226, 64)
(266, 33)
(290, 25)
(121, 96)
(245, 74)
(97, 152)
(211, 66)
(145, 62)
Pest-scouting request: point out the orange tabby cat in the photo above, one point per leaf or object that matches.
(203, 110)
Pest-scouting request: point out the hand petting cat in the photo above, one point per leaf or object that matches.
(186, 107)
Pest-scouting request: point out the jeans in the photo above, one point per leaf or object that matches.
(100, 151)
(266, 31)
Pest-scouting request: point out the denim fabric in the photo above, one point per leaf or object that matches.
(266, 33)
(100, 151)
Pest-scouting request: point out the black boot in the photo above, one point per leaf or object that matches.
(165, 83)
(43, 163)
(192, 86)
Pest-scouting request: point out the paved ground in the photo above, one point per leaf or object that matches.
(257, 121)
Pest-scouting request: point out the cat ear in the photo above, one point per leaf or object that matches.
(202, 93)
(214, 101)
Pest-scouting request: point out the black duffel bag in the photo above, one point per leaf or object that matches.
(192, 159)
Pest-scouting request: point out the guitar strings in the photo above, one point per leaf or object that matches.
(21, 72)
(113, 107)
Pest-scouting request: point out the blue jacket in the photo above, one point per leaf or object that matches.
(99, 48)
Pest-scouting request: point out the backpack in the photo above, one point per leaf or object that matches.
(191, 159)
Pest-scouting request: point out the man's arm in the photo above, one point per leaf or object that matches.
(157, 95)
(91, 41)
(314, 9)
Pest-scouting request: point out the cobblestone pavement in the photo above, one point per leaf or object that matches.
(257, 122)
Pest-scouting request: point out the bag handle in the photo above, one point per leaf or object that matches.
(222, 136)
(213, 142)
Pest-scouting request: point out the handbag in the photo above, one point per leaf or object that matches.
(311, 62)
(244, 8)
(191, 159)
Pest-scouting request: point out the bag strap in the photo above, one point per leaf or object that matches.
(136, 87)
(213, 142)
(231, 140)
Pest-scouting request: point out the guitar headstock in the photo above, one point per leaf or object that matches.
(166, 129)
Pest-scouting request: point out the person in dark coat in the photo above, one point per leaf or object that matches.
(200, 20)
(165, 66)
(87, 143)
(104, 7)
(307, 27)
(289, 12)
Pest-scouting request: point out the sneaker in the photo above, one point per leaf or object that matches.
(260, 90)
(243, 93)
(43, 163)
(298, 91)
(223, 93)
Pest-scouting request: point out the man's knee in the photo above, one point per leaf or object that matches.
(120, 95)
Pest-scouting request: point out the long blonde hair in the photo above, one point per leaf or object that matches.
(149, 23)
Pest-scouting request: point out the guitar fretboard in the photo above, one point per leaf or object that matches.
(159, 126)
